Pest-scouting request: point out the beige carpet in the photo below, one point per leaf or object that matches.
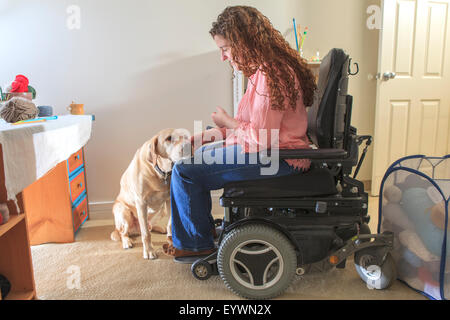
(106, 271)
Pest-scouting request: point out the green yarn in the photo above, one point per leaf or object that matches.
(31, 89)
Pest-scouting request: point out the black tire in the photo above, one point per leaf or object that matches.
(256, 276)
(375, 276)
(201, 270)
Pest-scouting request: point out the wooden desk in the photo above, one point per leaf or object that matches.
(57, 205)
(51, 208)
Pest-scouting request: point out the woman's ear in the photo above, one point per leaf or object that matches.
(153, 150)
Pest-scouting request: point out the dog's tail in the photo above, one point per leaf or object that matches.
(115, 236)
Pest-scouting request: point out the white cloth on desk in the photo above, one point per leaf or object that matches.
(31, 150)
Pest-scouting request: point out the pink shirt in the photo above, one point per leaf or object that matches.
(254, 113)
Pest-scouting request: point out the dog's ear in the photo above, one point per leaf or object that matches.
(153, 150)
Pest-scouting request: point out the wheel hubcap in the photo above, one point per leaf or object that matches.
(201, 271)
(370, 269)
(256, 264)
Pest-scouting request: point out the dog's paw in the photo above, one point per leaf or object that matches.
(150, 254)
(127, 243)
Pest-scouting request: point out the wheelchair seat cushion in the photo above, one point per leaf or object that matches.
(315, 182)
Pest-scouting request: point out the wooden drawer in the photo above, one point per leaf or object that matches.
(80, 213)
(75, 161)
(77, 185)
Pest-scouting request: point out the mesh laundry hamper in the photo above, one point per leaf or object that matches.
(414, 203)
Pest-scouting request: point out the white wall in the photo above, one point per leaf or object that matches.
(143, 65)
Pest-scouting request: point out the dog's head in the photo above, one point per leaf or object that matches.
(169, 145)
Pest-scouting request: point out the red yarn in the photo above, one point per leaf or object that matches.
(20, 84)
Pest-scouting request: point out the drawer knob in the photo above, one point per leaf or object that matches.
(80, 185)
(77, 157)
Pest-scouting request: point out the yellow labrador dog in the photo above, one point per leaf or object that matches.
(145, 189)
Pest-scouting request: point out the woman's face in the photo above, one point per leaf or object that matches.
(225, 50)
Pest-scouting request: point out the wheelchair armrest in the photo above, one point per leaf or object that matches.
(312, 154)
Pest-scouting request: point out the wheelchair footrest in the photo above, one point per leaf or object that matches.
(210, 258)
(187, 260)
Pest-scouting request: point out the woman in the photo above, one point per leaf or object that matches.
(280, 86)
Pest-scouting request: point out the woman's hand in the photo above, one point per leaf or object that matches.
(220, 117)
(207, 136)
(223, 120)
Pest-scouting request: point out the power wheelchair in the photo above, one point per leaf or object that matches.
(276, 228)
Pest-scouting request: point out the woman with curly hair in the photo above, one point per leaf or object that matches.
(271, 115)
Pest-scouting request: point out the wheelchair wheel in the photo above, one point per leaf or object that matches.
(375, 276)
(256, 261)
(201, 270)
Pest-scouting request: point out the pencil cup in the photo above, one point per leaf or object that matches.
(76, 108)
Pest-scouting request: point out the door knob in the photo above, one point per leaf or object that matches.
(386, 76)
(389, 75)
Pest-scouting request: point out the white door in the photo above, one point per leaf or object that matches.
(413, 91)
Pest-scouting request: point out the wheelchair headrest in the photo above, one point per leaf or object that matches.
(326, 117)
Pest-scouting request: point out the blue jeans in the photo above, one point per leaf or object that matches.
(191, 183)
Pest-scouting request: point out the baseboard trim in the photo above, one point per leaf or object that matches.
(100, 206)
(367, 185)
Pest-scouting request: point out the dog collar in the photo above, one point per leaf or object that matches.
(166, 175)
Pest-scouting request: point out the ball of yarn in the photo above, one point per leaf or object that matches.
(411, 258)
(414, 181)
(438, 216)
(417, 203)
(394, 213)
(20, 84)
(45, 111)
(18, 109)
(393, 194)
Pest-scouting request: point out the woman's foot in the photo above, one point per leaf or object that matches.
(170, 250)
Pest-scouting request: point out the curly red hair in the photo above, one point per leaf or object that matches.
(255, 43)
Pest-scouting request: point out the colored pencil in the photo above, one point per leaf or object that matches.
(303, 38)
(295, 31)
(299, 35)
(41, 118)
(28, 122)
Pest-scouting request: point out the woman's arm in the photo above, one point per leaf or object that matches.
(264, 126)
(255, 134)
